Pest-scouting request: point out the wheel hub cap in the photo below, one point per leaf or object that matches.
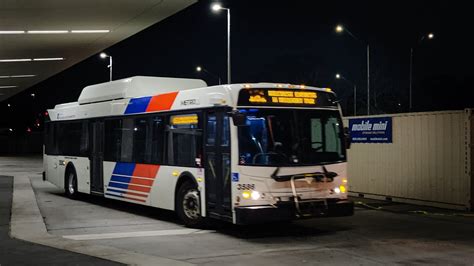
(191, 204)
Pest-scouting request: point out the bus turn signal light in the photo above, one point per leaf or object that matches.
(246, 194)
(342, 189)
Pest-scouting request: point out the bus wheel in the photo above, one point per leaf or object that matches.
(188, 205)
(71, 184)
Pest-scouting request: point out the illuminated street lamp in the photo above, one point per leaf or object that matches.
(201, 69)
(339, 76)
(103, 56)
(216, 8)
(339, 29)
(430, 37)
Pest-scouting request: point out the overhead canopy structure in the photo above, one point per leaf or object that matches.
(39, 39)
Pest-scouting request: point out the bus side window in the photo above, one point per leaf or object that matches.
(184, 140)
(211, 130)
(332, 133)
(226, 132)
(51, 139)
(126, 151)
(113, 141)
(84, 146)
(141, 151)
(70, 136)
(316, 134)
(157, 139)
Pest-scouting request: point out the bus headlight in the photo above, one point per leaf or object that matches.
(255, 195)
(337, 190)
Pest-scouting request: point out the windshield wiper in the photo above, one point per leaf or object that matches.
(325, 176)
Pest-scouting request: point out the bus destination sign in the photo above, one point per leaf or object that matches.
(302, 98)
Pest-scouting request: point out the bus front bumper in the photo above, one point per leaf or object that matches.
(286, 211)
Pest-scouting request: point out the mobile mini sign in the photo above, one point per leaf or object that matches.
(371, 130)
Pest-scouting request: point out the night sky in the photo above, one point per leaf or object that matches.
(291, 42)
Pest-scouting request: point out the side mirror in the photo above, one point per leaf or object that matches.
(239, 118)
(347, 137)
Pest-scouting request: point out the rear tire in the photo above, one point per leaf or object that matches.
(70, 184)
(188, 205)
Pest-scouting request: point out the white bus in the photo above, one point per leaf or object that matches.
(243, 153)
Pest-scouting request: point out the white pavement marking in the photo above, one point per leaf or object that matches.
(27, 224)
(171, 232)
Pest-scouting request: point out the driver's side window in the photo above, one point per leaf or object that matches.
(316, 133)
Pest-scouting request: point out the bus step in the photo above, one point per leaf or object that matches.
(97, 193)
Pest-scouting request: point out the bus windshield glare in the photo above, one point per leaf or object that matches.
(284, 137)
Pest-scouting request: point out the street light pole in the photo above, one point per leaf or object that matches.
(355, 99)
(430, 36)
(228, 46)
(199, 69)
(368, 79)
(104, 55)
(110, 67)
(411, 79)
(339, 76)
(216, 7)
(341, 28)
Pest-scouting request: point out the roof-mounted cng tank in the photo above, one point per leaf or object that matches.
(136, 87)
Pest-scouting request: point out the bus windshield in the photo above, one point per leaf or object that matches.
(284, 137)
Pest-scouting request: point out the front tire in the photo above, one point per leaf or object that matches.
(188, 205)
(70, 184)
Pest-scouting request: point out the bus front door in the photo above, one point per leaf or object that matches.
(217, 165)
(97, 157)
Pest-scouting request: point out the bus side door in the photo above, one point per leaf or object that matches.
(97, 156)
(217, 164)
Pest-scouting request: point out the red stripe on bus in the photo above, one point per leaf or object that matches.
(161, 102)
(129, 198)
(136, 194)
(145, 170)
(138, 188)
(138, 181)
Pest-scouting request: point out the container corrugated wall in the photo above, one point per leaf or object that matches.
(429, 161)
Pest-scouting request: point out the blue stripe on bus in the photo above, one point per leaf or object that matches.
(116, 191)
(113, 195)
(137, 105)
(124, 169)
(118, 185)
(122, 179)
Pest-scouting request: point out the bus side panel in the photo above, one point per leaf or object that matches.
(129, 182)
(163, 190)
(82, 166)
(51, 169)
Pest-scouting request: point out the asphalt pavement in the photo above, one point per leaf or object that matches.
(379, 233)
(17, 252)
